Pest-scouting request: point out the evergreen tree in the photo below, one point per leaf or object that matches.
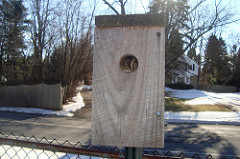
(13, 14)
(236, 73)
(2, 40)
(175, 13)
(174, 48)
(192, 54)
(235, 61)
(216, 69)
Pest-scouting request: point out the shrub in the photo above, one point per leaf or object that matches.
(180, 86)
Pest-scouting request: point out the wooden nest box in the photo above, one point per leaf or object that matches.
(128, 81)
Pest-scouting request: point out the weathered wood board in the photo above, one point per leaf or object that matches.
(128, 107)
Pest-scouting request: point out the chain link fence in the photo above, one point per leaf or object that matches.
(17, 147)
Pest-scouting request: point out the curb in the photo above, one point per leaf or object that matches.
(177, 121)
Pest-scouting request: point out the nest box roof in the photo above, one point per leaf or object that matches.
(130, 20)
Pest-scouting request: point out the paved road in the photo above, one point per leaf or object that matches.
(214, 139)
(60, 128)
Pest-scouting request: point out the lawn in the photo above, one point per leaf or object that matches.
(177, 105)
(171, 104)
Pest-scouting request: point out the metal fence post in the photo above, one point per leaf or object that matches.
(133, 153)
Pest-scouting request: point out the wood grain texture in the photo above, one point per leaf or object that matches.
(125, 104)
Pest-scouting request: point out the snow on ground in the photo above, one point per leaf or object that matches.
(67, 110)
(185, 94)
(73, 106)
(199, 97)
(24, 152)
(209, 117)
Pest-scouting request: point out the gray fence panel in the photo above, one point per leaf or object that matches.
(217, 88)
(55, 96)
(36, 96)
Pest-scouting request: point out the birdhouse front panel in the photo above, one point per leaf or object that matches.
(128, 86)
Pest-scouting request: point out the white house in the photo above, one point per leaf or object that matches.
(187, 72)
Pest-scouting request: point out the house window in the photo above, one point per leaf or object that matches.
(190, 67)
(180, 79)
(174, 80)
(193, 67)
(185, 67)
(187, 80)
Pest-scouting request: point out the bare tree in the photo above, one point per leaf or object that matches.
(41, 34)
(114, 3)
(76, 37)
(203, 21)
(200, 21)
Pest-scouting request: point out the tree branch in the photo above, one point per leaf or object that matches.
(110, 6)
(122, 7)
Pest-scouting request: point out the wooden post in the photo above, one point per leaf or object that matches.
(133, 153)
(129, 81)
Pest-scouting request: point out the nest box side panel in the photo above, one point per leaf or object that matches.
(128, 106)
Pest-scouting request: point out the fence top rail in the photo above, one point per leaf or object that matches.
(54, 145)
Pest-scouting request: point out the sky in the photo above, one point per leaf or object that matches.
(230, 33)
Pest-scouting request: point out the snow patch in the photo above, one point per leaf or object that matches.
(199, 97)
(185, 94)
(73, 106)
(24, 152)
(208, 116)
